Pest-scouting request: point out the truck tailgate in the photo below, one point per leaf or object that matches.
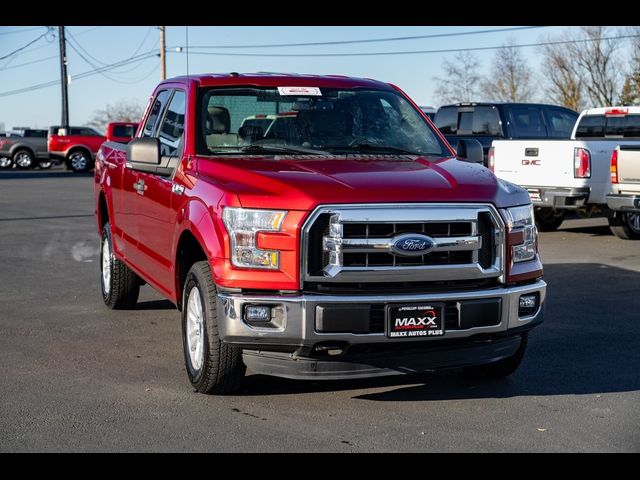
(629, 164)
(540, 163)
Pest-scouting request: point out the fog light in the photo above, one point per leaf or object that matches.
(257, 313)
(528, 304)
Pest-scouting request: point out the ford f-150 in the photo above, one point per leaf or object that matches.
(348, 242)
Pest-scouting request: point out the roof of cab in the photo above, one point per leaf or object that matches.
(269, 79)
(619, 108)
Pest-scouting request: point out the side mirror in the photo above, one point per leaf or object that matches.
(470, 150)
(143, 154)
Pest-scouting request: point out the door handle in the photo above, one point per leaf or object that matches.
(140, 187)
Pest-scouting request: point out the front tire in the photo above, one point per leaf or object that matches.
(79, 161)
(501, 368)
(548, 219)
(5, 162)
(625, 225)
(23, 159)
(45, 164)
(212, 366)
(120, 285)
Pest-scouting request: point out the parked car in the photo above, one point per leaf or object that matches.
(563, 175)
(624, 199)
(25, 149)
(429, 111)
(334, 248)
(121, 132)
(76, 148)
(487, 122)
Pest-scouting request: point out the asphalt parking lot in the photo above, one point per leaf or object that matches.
(75, 376)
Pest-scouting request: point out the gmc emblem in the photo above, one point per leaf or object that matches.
(531, 162)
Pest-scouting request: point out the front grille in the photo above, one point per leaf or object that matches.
(358, 244)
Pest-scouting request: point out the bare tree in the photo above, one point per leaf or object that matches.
(564, 81)
(122, 111)
(462, 80)
(630, 94)
(510, 79)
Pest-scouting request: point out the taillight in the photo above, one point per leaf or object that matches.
(614, 166)
(491, 159)
(581, 163)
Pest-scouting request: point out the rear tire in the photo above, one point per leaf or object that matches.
(501, 368)
(23, 159)
(625, 225)
(120, 285)
(212, 366)
(548, 219)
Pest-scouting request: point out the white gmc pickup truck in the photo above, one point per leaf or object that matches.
(624, 200)
(561, 175)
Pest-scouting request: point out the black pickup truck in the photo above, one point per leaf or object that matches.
(487, 122)
(26, 148)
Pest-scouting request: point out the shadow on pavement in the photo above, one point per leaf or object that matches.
(595, 231)
(155, 305)
(29, 174)
(588, 344)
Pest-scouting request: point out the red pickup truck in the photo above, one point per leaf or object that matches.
(348, 242)
(77, 147)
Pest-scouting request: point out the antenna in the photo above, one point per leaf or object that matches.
(186, 31)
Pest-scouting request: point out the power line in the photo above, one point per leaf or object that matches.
(27, 45)
(28, 63)
(73, 37)
(408, 52)
(371, 40)
(21, 31)
(79, 76)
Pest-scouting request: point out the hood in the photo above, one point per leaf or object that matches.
(302, 182)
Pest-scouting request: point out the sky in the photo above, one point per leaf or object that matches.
(104, 45)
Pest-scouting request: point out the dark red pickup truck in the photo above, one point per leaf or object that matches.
(342, 239)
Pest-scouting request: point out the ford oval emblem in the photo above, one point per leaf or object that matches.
(411, 245)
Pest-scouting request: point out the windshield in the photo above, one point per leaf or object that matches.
(327, 120)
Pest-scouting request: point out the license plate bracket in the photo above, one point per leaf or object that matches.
(413, 320)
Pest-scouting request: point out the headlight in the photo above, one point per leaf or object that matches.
(520, 221)
(242, 225)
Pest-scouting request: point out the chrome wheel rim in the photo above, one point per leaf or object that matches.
(633, 220)
(78, 161)
(23, 160)
(195, 329)
(45, 164)
(5, 162)
(106, 267)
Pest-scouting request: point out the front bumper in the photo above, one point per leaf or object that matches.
(559, 197)
(296, 324)
(624, 203)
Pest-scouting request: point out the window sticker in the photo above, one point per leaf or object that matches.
(315, 91)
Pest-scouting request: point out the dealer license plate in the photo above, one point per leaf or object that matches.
(415, 320)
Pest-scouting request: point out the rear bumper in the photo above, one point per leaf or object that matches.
(559, 197)
(382, 364)
(624, 203)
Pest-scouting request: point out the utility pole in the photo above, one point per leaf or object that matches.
(64, 79)
(163, 55)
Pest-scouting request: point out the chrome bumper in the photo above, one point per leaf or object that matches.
(296, 322)
(624, 203)
(560, 197)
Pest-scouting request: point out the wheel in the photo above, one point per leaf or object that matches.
(45, 164)
(120, 285)
(548, 219)
(23, 159)
(212, 366)
(501, 368)
(5, 162)
(79, 161)
(625, 225)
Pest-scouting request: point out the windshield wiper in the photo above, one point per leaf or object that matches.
(280, 149)
(371, 148)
